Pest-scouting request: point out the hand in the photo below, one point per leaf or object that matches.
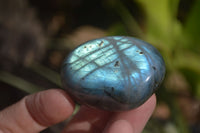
(36, 112)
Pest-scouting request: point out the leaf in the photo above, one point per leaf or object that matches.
(117, 29)
(192, 26)
(128, 20)
(47, 73)
(188, 60)
(161, 19)
(19, 82)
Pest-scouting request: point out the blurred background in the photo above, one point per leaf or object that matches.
(35, 37)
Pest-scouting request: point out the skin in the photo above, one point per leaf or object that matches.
(36, 112)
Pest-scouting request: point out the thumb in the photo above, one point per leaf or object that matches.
(36, 112)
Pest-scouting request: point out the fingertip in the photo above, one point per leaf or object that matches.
(136, 118)
(119, 126)
(49, 107)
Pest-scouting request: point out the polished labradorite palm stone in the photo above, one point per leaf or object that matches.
(113, 73)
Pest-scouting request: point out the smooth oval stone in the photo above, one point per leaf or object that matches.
(113, 73)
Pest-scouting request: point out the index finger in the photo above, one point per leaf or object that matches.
(132, 121)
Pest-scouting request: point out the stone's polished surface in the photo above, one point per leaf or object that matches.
(113, 73)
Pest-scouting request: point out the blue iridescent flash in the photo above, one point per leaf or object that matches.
(114, 73)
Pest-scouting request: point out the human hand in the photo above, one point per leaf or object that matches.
(36, 112)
